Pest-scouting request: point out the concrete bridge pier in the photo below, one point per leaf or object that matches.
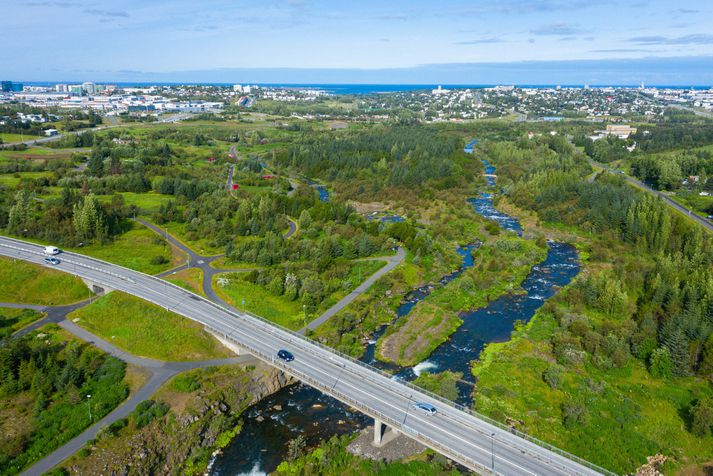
(379, 429)
(227, 343)
(382, 433)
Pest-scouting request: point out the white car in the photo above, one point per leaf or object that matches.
(51, 250)
(426, 408)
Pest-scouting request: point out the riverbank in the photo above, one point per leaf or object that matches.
(194, 414)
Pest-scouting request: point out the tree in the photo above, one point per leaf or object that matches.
(660, 364)
(305, 219)
(88, 219)
(702, 413)
(296, 447)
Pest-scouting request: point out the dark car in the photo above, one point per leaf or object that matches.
(285, 355)
(52, 260)
(426, 408)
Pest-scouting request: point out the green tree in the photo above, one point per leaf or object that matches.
(702, 417)
(660, 364)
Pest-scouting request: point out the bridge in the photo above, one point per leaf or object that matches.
(470, 439)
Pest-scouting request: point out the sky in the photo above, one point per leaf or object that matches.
(364, 41)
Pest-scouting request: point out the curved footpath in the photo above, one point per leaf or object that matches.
(470, 439)
(391, 263)
(160, 372)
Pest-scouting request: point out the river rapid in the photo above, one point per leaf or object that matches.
(299, 409)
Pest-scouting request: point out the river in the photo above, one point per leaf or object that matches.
(273, 422)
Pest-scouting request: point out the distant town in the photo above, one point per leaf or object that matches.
(436, 105)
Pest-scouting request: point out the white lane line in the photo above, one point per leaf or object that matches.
(257, 328)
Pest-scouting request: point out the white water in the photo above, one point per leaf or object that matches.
(425, 365)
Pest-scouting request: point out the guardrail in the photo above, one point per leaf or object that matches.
(306, 340)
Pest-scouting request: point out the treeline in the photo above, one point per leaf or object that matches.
(387, 155)
(665, 137)
(661, 310)
(667, 172)
(68, 220)
(56, 376)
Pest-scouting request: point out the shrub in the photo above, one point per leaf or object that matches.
(660, 364)
(552, 376)
(702, 413)
(159, 259)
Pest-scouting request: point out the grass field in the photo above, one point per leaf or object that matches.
(147, 330)
(33, 284)
(11, 180)
(12, 320)
(201, 246)
(191, 279)
(146, 202)
(8, 138)
(260, 301)
(135, 249)
(629, 414)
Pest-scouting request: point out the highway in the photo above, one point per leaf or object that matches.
(456, 433)
(668, 200)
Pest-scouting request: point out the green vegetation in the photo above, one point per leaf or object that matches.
(622, 357)
(409, 343)
(190, 279)
(331, 457)
(182, 424)
(259, 300)
(12, 320)
(441, 383)
(147, 330)
(46, 376)
(138, 248)
(33, 284)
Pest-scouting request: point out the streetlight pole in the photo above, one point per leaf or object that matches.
(492, 451)
(89, 407)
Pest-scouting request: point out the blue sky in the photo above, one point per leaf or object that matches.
(416, 41)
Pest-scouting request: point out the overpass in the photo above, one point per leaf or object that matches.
(470, 439)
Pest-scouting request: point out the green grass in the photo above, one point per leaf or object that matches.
(8, 138)
(190, 279)
(135, 250)
(631, 415)
(29, 283)
(260, 301)
(11, 180)
(147, 202)
(200, 245)
(413, 339)
(12, 320)
(147, 330)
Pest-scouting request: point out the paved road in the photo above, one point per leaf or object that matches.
(391, 263)
(694, 111)
(459, 435)
(229, 182)
(668, 200)
(160, 372)
(43, 140)
(293, 228)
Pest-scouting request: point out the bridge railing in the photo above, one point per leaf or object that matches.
(349, 358)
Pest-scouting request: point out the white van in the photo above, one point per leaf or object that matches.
(51, 250)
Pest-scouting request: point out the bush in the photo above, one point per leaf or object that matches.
(552, 376)
(147, 411)
(574, 414)
(702, 413)
(159, 259)
(660, 364)
(185, 383)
